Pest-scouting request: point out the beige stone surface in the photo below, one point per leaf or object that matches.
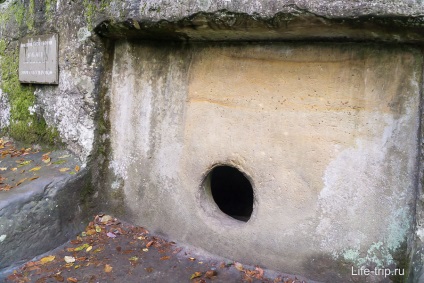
(326, 132)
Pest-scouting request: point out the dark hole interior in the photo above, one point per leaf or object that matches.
(232, 192)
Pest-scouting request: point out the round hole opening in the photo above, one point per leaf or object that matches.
(232, 192)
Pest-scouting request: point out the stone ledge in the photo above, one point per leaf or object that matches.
(42, 215)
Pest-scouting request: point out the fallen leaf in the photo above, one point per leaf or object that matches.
(260, 272)
(24, 163)
(149, 269)
(3, 168)
(238, 266)
(80, 248)
(46, 160)
(210, 273)
(91, 232)
(89, 248)
(47, 259)
(106, 218)
(46, 154)
(165, 258)
(145, 250)
(98, 250)
(59, 162)
(65, 156)
(69, 259)
(177, 250)
(150, 243)
(195, 275)
(59, 278)
(77, 266)
(72, 279)
(64, 169)
(70, 249)
(192, 258)
(134, 258)
(14, 169)
(5, 188)
(98, 229)
(111, 235)
(108, 268)
(247, 278)
(21, 181)
(77, 168)
(35, 169)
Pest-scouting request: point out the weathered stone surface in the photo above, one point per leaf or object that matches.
(326, 132)
(4, 110)
(176, 122)
(42, 215)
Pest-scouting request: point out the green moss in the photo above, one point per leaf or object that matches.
(49, 10)
(24, 126)
(31, 15)
(16, 11)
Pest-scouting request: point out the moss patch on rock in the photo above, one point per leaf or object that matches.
(24, 126)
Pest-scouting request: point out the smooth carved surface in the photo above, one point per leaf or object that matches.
(327, 133)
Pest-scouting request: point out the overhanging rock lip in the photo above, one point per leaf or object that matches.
(225, 25)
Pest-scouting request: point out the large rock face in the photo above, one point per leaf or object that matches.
(328, 134)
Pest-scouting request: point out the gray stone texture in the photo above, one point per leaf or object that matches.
(42, 215)
(157, 150)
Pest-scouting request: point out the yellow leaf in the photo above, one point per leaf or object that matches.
(46, 159)
(65, 156)
(80, 248)
(3, 168)
(195, 275)
(77, 168)
(35, 169)
(238, 266)
(24, 163)
(63, 169)
(14, 169)
(89, 248)
(21, 181)
(108, 268)
(47, 259)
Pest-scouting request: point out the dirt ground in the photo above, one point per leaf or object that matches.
(112, 251)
